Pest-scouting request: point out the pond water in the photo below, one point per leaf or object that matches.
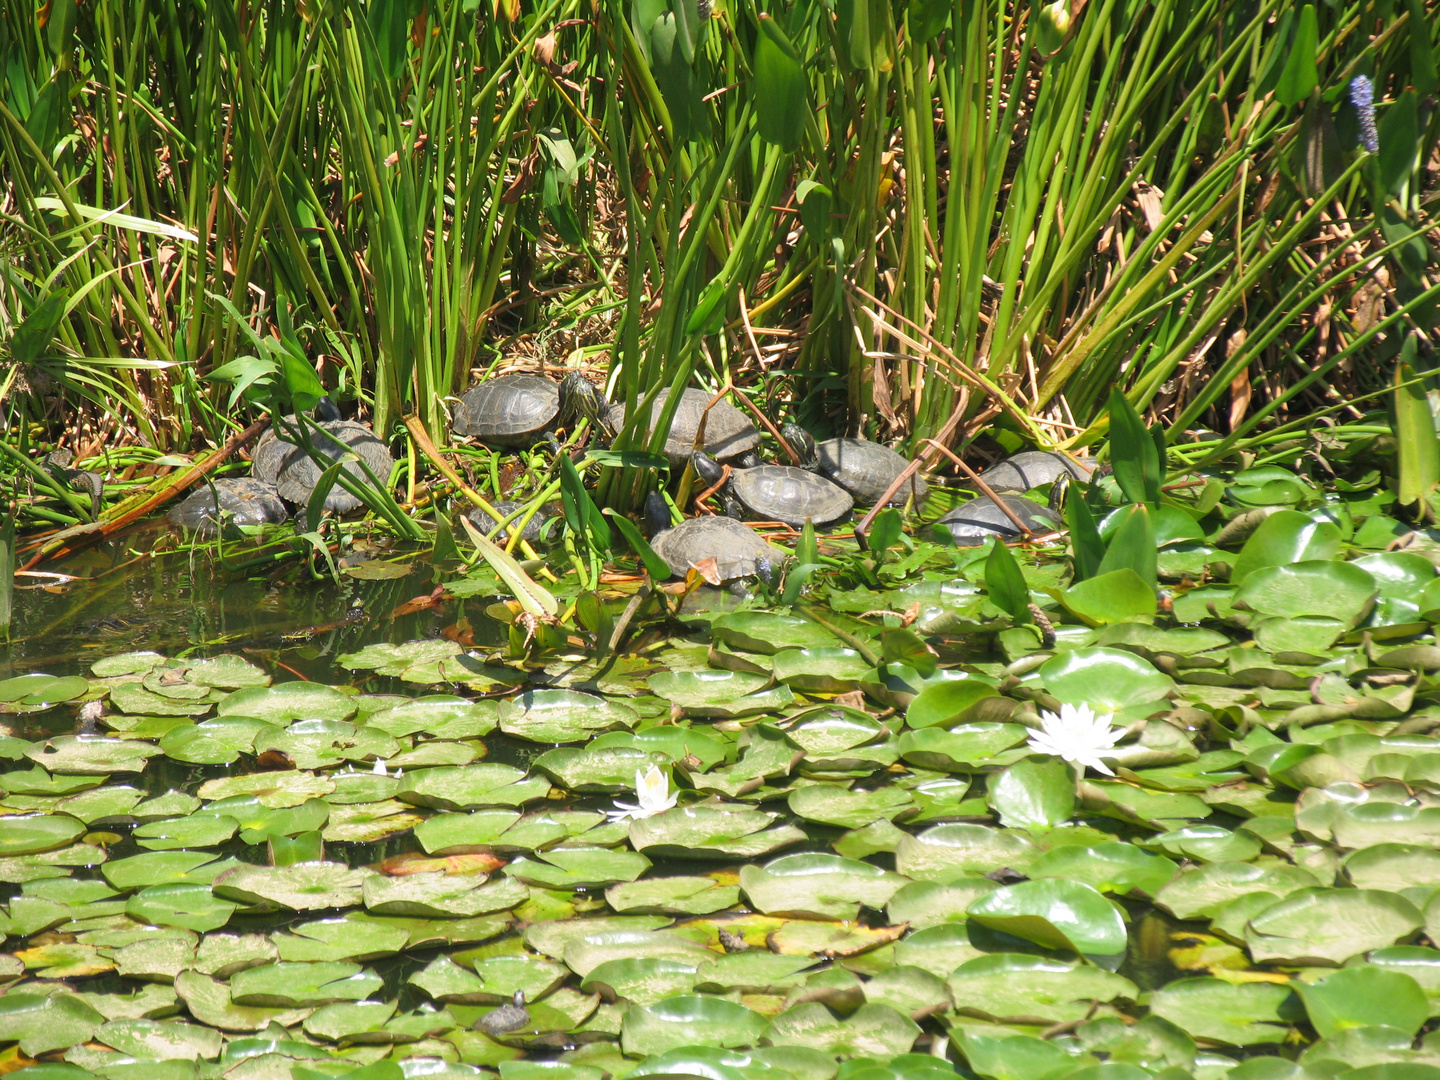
(334, 825)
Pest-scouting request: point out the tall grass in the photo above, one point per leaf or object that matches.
(951, 218)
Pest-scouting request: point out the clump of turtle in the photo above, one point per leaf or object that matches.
(982, 518)
(777, 493)
(520, 410)
(737, 551)
(240, 500)
(282, 462)
(729, 435)
(1030, 469)
(865, 469)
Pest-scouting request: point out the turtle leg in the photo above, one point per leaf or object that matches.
(732, 508)
(748, 460)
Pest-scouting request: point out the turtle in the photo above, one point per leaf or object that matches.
(1034, 468)
(865, 469)
(777, 492)
(521, 410)
(728, 434)
(58, 464)
(737, 551)
(980, 519)
(239, 500)
(534, 528)
(507, 1019)
(279, 461)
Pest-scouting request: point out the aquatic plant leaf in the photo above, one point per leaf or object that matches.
(703, 832)
(1110, 867)
(187, 904)
(1009, 986)
(561, 716)
(1361, 996)
(42, 1023)
(27, 834)
(274, 789)
(284, 702)
(1239, 1014)
(1055, 913)
(439, 896)
(767, 633)
(471, 787)
(286, 985)
(88, 755)
(950, 851)
(1330, 925)
(1104, 678)
(680, 895)
(353, 1021)
(578, 867)
(641, 981)
(687, 1020)
(849, 809)
(817, 885)
(821, 670)
(164, 1040)
(302, 887)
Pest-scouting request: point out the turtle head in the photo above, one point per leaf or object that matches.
(325, 409)
(803, 444)
(580, 399)
(706, 467)
(519, 999)
(657, 514)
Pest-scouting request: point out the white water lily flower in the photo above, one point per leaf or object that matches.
(653, 793)
(1079, 734)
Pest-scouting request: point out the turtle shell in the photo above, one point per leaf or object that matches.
(784, 493)
(737, 551)
(289, 468)
(728, 433)
(534, 528)
(508, 411)
(980, 519)
(1033, 468)
(866, 469)
(246, 500)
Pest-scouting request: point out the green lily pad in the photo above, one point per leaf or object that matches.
(470, 787)
(164, 1040)
(578, 868)
(1055, 913)
(284, 702)
(641, 981)
(27, 834)
(821, 670)
(1104, 678)
(946, 852)
(849, 809)
(91, 755)
(610, 769)
(202, 830)
(1111, 867)
(302, 887)
(1030, 989)
(871, 1031)
(702, 832)
(710, 692)
(680, 895)
(966, 748)
(817, 885)
(41, 1023)
(767, 633)
(687, 1020)
(186, 904)
(275, 789)
(1330, 925)
(1240, 1014)
(355, 936)
(438, 896)
(562, 716)
(286, 985)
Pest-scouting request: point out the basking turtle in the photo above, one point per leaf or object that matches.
(1034, 468)
(534, 528)
(57, 464)
(507, 1019)
(865, 469)
(279, 461)
(728, 434)
(737, 551)
(980, 519)
(243, 501)
(521, 410)
(778, 493)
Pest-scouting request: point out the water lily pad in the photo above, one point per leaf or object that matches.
(642, 981)
(849, 809)
(42, 1023)
(316, 744)
(276, 789)
(91, 755)
(1334, 590)
(711, 692)
(287, 985)
(1204, 890)
(609, 769)
(1240, 1014)
(817, 885)
(967, 748)
(470, 787)
(42, 691)
(367, 823)
(201, 830)
(356, 936)
(186, 904)
(583, 954)
(702, 832)
(442, 716)
(134, 699)
(37, 781)
(927, 903)
(681, 895)
(687, 1020)
(768, 633)
(301, 887)
(1030, 989)
(163, 1040)
(821, 670)
(427, 661)
(870, 1031)
(159, 868)
(1104, 678)
(562, 716)
(26, 834)
(1111, 867)
(578, 868)
(950, 851)
(1330, 925)
(353, 1021)
(1361, 996)
(284, 702)
(805, 937)
(438, 896)
(1055, 913)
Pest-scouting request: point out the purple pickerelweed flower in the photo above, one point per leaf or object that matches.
(1362, 96)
